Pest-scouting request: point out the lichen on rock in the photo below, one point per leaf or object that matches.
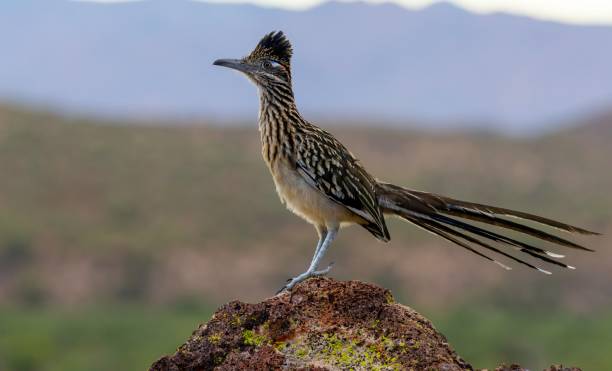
(322, 324)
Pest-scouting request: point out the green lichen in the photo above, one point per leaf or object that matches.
(214, 339)
(401, 346)
(301, 352)
(348, 354)
(341, 351)
(250, 337)
(236, 320)
(390, 299)
(280, 346)
(387, 343)
(219, 359)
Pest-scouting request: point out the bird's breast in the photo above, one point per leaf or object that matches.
(306, 201)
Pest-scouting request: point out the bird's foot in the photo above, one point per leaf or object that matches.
(303, 277)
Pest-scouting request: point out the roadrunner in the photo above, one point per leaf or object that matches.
(322, 182)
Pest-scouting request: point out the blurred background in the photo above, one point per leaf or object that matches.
(133, 199)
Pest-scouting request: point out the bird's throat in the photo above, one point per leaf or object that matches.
(278, 117)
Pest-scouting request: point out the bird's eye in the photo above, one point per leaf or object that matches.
(270, 64)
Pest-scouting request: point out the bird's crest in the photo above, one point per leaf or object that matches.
(274, 45)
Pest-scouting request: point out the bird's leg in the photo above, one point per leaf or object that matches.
(316, 259)
(322, 233)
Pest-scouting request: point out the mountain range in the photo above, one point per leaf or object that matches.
(439, 66)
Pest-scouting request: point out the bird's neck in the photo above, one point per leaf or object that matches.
(278, 121)
(275, 100)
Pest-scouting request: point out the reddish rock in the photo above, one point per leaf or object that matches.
(321, 325)
(515, 367)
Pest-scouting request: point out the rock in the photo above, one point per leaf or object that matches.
(514, 367)
(322, 324)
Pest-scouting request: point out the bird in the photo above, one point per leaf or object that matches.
(321, 181)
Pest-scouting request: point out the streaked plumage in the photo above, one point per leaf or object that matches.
(320, 180)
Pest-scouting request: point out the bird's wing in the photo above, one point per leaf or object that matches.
(329, 167)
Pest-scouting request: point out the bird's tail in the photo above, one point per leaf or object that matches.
(446, 217)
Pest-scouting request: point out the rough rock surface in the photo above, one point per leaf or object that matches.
(321, 325)
(519, 368)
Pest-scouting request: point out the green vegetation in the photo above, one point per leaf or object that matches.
(100, 339)
(534, 339)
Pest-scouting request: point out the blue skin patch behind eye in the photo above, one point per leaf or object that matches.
(275, 64)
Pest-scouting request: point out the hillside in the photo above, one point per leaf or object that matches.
(107, 195)
(437, 66)
(99, 213)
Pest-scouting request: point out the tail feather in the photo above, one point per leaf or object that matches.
(485, 245)
(438, 214)
(494, 220)
(522, 246)
(431, 228)
(458, 206)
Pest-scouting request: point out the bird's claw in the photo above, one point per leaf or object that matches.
(323, 272)
(303, 277)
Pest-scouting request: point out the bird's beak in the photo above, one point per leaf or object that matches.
(236, 64)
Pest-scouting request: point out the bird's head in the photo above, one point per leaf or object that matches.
(268, 64)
